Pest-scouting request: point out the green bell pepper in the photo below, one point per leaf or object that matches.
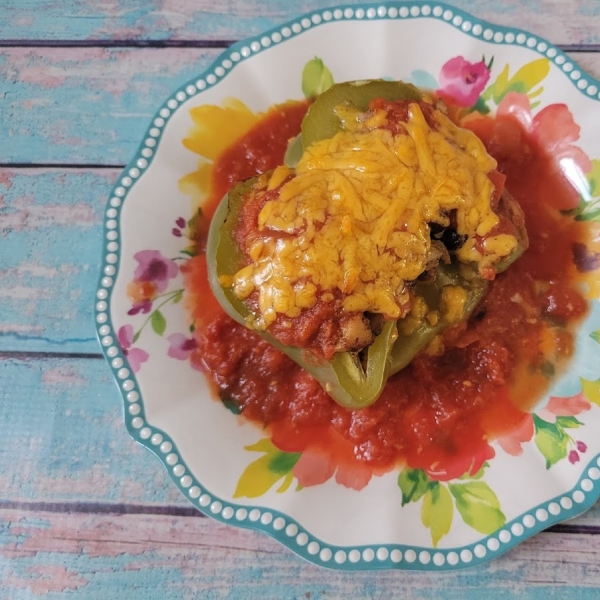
(344, 377)
(464, 275)
(350, 381)
(353, 380)
(321, 122)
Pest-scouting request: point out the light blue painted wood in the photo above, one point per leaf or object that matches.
(86, 105)
(561, 22)
(63, 438)
(51, 224)
(150, 557)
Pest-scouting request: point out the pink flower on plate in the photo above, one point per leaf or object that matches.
(317, 465)
(154, 268)
(151, 277)
(135, 356)
(574, 454)
(512, 441)
(554, 131)
(180, 346)
(462, 82)
(564, 407)
(143, 306)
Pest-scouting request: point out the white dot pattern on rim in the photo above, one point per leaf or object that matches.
(254, 514)
(354, 556)
(279, 524)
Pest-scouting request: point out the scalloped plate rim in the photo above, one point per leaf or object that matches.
(372, 556)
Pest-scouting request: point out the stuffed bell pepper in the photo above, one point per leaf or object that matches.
(382, 230)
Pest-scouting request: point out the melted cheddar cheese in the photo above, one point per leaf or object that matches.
(354, 216)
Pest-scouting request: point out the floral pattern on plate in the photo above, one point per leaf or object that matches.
(150, 328)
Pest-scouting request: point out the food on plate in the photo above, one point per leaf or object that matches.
(463, 386)
(381, 232)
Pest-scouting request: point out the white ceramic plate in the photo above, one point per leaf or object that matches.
(167, 404)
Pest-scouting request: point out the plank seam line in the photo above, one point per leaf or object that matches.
(185, 43)
(101, 508)
(29, 355)
(189, 511)
(19, 165)
(21, 43)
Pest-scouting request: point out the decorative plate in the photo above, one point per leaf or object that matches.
(546, 472)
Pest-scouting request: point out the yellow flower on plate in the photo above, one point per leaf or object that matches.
(214, 129)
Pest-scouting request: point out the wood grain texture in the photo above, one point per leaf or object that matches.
(146, 557)
(64, 439)
(560, 22)
(86, 105)
(51, 234)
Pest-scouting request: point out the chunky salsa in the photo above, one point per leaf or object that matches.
(474, 383)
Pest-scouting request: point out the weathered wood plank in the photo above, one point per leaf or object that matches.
(51, 228)
(86, 105)
(149, 556)
(93, 105)
(560, 22)
(64, 441)
(63, 438)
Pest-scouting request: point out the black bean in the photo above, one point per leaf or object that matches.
(452, 240)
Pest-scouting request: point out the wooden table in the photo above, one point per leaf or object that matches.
(83, 509)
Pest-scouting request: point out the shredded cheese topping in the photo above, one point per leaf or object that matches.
(354, 216)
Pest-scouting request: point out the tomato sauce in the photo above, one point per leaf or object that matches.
(476, 383)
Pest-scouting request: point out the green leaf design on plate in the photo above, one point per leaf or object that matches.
(178, 296)
(478, 506)
(262, 474)
(551, 440)
(283, 462)
(437, 511)
(479, 473)
(595, 335)
(594, 178)
(589, 206)
(480, 106)
(413, 483)
(158, 322)
(568, 422)
(316, 78)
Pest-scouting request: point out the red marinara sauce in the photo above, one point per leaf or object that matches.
(476, 383)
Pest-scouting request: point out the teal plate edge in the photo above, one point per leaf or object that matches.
(279, 526)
